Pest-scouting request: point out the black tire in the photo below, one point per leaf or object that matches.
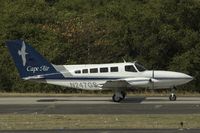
(116, 99)
(172, 97)
(123, 94)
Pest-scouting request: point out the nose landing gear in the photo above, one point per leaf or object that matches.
(172, 97)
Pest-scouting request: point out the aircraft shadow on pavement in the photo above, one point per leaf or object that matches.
(127, 100)
(133, 100)
(50, 100)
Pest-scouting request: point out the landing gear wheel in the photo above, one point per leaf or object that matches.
(172, 97)
(116, 98)
(123, 95)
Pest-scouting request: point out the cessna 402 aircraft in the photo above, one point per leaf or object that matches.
(113, 76)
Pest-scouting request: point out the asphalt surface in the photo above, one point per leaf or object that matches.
(107, 131)
(98, 105)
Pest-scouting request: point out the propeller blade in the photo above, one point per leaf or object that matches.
(152, 80)
(153, 73)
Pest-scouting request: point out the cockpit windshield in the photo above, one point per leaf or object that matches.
(140, 67)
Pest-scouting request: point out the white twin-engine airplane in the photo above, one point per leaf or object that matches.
(113, 76)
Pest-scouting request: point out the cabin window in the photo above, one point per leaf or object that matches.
(140, 67)
(114, 69)
(130, 68)
(93, 70)
(85, 71)
(104, 70)
(78, 71)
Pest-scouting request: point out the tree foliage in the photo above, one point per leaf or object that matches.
(161, 34)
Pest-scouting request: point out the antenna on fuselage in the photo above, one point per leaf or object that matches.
(124, 60)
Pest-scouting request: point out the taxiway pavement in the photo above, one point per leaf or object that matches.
(98, 105)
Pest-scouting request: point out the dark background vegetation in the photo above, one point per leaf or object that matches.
(161, 34)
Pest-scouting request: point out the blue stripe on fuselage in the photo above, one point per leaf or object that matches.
(101, 78)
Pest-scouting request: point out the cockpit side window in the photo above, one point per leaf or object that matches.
(140, 67)
(130, 68)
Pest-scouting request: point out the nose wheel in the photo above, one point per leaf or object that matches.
(172, 97)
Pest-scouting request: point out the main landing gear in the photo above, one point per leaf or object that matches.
(118, 96)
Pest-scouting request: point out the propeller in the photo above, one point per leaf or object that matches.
(151, 80)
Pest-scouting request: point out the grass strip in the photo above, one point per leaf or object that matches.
(45, 121)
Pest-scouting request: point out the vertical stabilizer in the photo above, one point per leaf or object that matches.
(29, 62)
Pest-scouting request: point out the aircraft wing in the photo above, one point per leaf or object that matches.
(115, 84)
(126, 82)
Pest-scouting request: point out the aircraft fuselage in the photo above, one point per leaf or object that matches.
(92, 76)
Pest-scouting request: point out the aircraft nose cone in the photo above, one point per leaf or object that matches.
(185, 77)
(188, 77)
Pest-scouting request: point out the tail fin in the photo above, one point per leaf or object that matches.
(29, 62)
